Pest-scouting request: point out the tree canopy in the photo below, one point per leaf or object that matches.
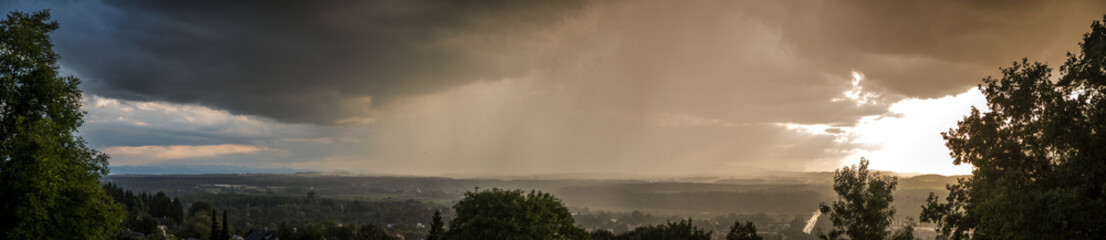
(683, 229)
(1038, 152)
(863, 207)
(49, 178)
(436, 228)
(740, 231)
(512, 214)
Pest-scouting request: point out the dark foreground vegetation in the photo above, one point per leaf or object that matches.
(1040, 169)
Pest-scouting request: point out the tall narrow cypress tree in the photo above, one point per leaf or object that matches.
(226, 231)
(436, 228)
(214, 225)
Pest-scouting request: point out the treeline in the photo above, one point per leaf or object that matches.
(247, 211)
(706, 201)
(334, 230)
(514, 214)
(146, 211)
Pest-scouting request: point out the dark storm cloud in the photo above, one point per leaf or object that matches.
(334, 62)
(934, 48)
(297, 61)
(661, 87)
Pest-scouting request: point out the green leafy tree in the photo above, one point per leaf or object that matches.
(512, 214)
(601, 234)
(436, 228)
(746, 231)
(197, 226)
(1038, 154)
(49, 178)
(373, 232)
(683, 229)
(863, 206)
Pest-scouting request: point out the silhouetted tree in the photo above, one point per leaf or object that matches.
(683, 229)
(1038, 154)
(863, 206)
(795, 230)
(373, 232)
(746, 231)
(215, 233)
(436, 228)
(225, 233)
(177, 211)
(49, 177)
(504, 214)
(601, 234)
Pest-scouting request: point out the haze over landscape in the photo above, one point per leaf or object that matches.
(552, 120)
(647, 88)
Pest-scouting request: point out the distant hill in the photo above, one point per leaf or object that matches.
(195, 169)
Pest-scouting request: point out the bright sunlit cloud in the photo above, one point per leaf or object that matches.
(150, 154)
(904, 139)
(856, 92)
(908, 139)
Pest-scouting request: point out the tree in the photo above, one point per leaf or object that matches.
(177, 211)
(225, 233)
(863, 206)
(215, 233)
(200, 208)
(373, 232)
(49, 178)
(746, 231)
(436, 228)
(683, 229)
(504, 214)
(601, 234)
(198, 226)
(1038, 156)
(795, 229)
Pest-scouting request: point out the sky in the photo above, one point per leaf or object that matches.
(648, 88)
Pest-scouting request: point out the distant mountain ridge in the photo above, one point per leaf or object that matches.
(196, 169)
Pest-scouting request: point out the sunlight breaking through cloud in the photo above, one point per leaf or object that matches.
(906, 138)
(856, 92)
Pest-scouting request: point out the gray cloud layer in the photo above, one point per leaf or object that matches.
(538, 87)
(297, 62)
(320, 62)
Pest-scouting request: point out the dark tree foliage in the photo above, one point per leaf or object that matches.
(142, 206)
(49, 178)
(512, 214)
(373, 232)
(1039, 154)
(215, 233)
(176, 211)
(746, 231)
(198, 225)
(601, 234)
(795, 229)
(225, 230)
(436, 228)
(200, 208)
(863, 206)
(331, 230)
(682, 229)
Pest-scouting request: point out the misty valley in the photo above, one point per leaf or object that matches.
(779, 206)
